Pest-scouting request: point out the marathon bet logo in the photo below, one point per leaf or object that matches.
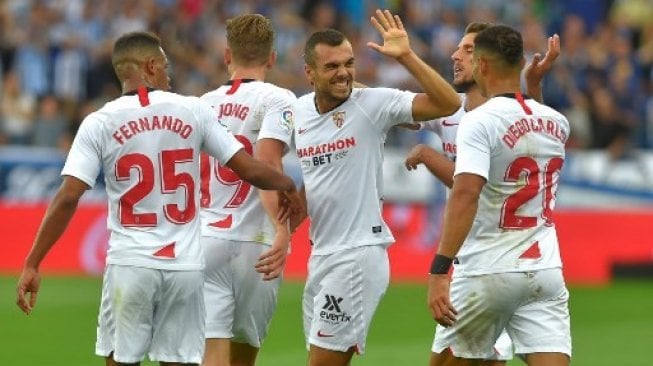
(331, 312)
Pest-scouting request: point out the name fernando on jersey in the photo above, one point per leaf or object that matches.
(132, 128)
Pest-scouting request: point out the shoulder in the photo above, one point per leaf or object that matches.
(275, 96)
(305, 100)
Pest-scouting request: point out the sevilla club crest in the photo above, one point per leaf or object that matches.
(338, 118)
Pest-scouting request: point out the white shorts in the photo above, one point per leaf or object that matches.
(151, 311)
(531, 306)
(342, 293)
(239, 304)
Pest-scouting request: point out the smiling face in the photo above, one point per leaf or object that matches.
(331, 74)
(463, 79)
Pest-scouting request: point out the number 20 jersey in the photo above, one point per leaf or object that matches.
(518, 146)
(148, 146)
(252, 110)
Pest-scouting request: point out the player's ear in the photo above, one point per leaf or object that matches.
(308, 71)
(227, 57)
(272, 59)
(150, 65)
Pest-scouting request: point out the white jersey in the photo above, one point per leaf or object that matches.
(447, 128)
(341, 156)
(519, 148)
(148, 146)
(252, 110)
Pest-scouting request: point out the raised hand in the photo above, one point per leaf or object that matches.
(395, 37)
(538, 67)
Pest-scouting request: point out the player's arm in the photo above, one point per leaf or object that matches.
(440, 98)
(259, 174)
(54, 223)
(535, 71)
(272, 261)
(458, 218)
(439, 165)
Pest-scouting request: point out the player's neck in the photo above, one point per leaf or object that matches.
(256, 73)
(473, 98)
(130, 85)
(503, 84)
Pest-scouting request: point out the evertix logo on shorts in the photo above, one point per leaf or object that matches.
(331, 311)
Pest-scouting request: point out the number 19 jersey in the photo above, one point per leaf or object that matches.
(148, 146)
(252, 110)
(518, 146)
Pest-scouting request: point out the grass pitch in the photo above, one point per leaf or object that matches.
(611, 325)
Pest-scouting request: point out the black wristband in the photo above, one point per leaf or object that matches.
(440, 264)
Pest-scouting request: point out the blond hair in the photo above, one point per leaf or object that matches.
(250, 38)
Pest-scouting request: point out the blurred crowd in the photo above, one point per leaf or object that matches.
(56, 67)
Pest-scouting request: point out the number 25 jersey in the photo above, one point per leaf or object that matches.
(148, 146)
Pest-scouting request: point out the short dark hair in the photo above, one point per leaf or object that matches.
(502, 41)
(477, 27)
(329, 37)
(131, 45)
(250, 38)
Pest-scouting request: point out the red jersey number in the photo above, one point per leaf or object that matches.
(226, 177)
(170, 183)
(534, 177)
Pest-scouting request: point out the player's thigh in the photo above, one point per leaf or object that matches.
(342, 294)
(179, 318)
(484, 304)
(542, 323)
(255, 299)
(125, 323)
(219, 283)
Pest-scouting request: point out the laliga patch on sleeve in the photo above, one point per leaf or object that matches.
(286, 120)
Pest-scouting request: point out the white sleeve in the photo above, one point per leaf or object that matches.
(216, 139)
(84, 159)
(473, 146)
(278, 119)
(434, 125)
(387, 107)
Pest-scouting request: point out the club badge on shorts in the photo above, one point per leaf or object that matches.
(338, 118)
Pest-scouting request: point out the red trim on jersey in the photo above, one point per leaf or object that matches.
(234, 86)
(533, 252)
(224, 223)
(143, 98)
(167, 251)
(520, 99)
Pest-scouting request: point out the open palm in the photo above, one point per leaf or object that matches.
(395, 37)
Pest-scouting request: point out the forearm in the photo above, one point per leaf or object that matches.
(438, 90)
(439, 165)
(55, 221)
(458, 218)
(270, 202)
(534, 90)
